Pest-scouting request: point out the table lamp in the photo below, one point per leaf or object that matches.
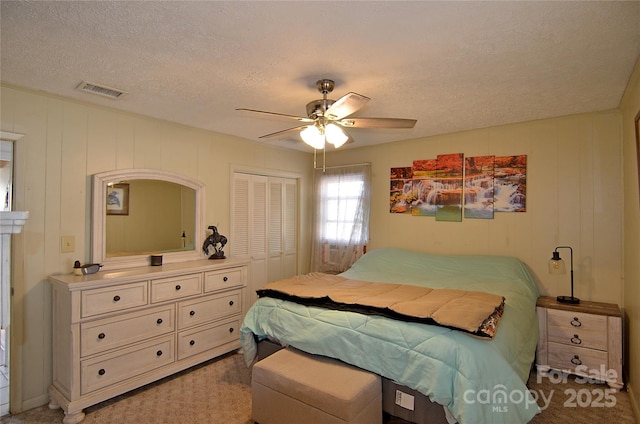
(557, 266)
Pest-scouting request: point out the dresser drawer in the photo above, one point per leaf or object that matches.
(97, 373)
(203, 310)
(578, 337)
(577, 329)
(112, 299)
(109, 333)
(201, 339)
(567, 358)
(172, 288)
(577, 320)
(226, 278)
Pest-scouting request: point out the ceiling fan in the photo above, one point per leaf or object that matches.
(326, 119)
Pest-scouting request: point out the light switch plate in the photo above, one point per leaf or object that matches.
(67, 244)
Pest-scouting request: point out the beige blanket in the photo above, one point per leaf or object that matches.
(475, 312)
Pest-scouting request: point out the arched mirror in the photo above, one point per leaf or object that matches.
(142, 212)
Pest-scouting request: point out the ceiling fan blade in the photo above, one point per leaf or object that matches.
(282, 115)
(346, 105)
(377, 123)
(283, 132)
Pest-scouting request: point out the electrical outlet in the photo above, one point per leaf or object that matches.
(67, 244)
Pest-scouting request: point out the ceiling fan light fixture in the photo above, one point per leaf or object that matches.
(313, 137)
(335, 135)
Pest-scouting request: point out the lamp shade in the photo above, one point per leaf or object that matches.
(313, 137)
(557, 265)
(335, 135)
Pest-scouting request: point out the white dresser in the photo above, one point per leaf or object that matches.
(583, 339)
(117, 330)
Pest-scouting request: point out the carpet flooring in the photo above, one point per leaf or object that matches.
(219, 392)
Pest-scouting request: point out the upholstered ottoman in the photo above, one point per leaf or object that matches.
(292, 387)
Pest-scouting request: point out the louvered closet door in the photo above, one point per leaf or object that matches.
(275, 229)
(290, 228)
(282, 228)
(249, 228)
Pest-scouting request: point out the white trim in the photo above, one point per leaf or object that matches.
(10, 136)
(11, 222)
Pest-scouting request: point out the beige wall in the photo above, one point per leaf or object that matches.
(630, 107)
(574, 197)
(64, 143)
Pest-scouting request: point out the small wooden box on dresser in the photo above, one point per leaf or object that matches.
(114, 331)
(583, 339)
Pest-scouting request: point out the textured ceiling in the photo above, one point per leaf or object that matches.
(453, 66)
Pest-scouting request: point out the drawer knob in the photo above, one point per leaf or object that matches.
(576, 360)
(575, 322)
(192, 313)
(116, 298)
(178, 287)
(101, 336)
(576, 339)
(225, 279)
(159, 353)
(231, 303)
(101, 371)
(230, 329)
(159, 321)
(192, 342)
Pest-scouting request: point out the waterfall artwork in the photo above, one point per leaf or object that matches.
(479, 187)
(400, 190)
(424, 187)
(510, 193)
(440, 187)
(449, 180)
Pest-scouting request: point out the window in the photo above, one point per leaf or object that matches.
(342, 217)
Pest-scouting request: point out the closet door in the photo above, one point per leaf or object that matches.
(275, 243)
(249, 228)
(290, 228)
(283, 226)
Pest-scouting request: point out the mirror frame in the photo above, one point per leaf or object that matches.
(98, 218)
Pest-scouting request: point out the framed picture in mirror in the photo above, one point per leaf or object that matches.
(118, 199)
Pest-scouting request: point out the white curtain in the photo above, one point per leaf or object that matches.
(341, 220)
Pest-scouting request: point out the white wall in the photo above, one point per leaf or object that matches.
(574, 197)
(65, 142)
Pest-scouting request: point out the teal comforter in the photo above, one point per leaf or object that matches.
(477, 380)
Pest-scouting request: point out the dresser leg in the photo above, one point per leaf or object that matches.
(73, 417)
(615, 385)
(53, 404)
(543, 370)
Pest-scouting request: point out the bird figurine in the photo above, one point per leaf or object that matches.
(215, 241)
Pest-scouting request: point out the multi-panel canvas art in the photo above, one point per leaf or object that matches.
(400, 190)
(478, 187)
(450, 179)
(452, 186)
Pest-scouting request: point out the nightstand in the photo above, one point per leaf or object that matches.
(583, 339)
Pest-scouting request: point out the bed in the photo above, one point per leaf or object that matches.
(476, 380)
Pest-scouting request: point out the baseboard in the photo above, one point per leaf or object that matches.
(634, 403)
(35, 402)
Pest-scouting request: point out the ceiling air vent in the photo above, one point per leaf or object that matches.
(89, 87)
